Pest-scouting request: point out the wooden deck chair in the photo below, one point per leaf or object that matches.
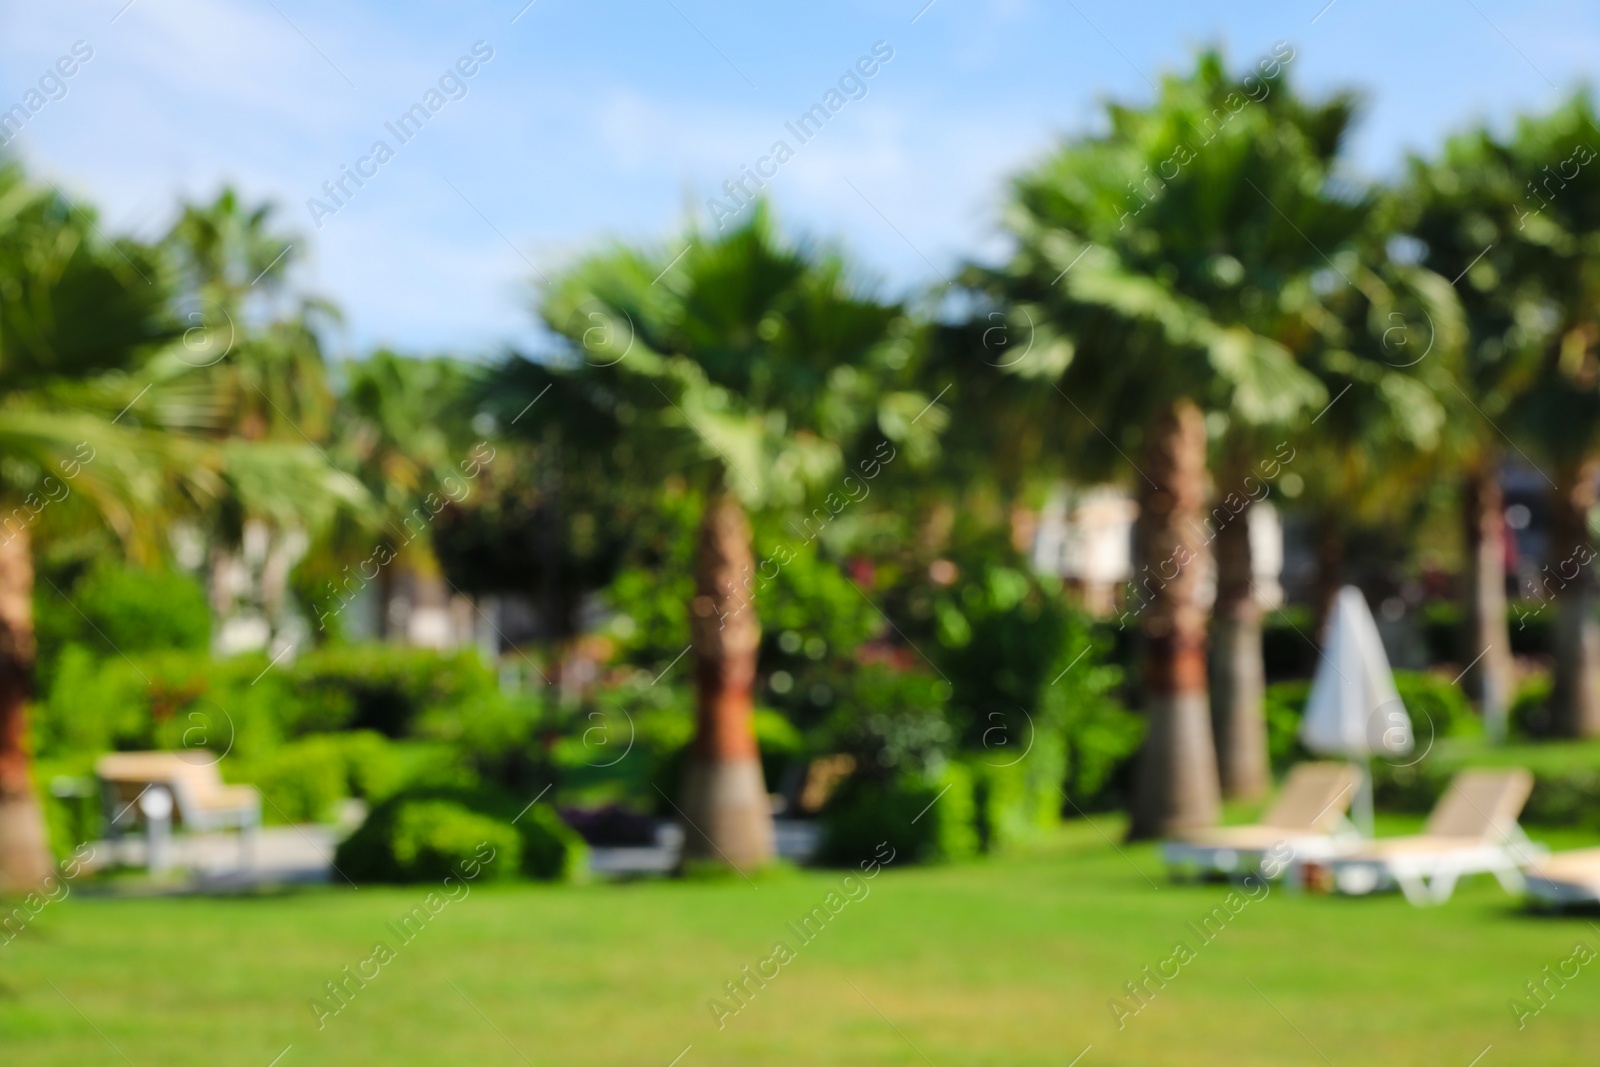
(1306, 822)
(1472, 830)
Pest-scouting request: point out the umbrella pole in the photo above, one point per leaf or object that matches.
(1361, 805)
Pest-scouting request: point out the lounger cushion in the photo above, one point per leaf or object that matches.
(1314, 798)
(1253, 838)
(1580, 867)
(1481, 805)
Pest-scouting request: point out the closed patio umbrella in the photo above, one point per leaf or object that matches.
(1354, 710)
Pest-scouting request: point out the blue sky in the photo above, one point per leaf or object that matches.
(615, 118)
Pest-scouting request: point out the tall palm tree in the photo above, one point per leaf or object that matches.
(76, 316)
(1557, 267)
(1183, 274)
(1469, 209)
(402, 430)
(258, 345)
(755, 369)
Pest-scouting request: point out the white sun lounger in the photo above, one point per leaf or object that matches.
(1307, 822)
(1565, 878)
(1473, 830)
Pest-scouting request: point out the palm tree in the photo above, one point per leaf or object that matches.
(402, 430)
(1556, 285)
(259, 348)
(755, 369)
(1469, 210)
(76, 315)
(1184, 274)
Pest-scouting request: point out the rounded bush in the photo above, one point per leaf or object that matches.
(552, 851)
(427, 840)
(922, 821)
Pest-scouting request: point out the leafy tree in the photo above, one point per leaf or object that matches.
(258, 348)
(1555, 270)
(1469, 207)
(1181, 275)
(760, 373)
(76, 315)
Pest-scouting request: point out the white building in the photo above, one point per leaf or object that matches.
(1085, 536)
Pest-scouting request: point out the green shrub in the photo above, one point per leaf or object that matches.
(1102, 738)
(1437, 707)
(552, 851)
(1015, 801)
(1530, 709)
(374, 770)
(891, 720)
(425, 840)
(116, 609)
(542, 846)
(1566, 798)
(1285, 704)
(381, 687)
(1566, 780)
(300, 782)
(91, 706)
(73, 819)
(922, 821)
(165, 700)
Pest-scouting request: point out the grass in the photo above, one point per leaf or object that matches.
(1011, 962)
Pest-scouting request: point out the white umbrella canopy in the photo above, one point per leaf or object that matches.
(1354, 710)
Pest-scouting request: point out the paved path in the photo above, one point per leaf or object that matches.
(300, 855)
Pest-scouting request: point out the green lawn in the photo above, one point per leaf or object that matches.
(1010, 962)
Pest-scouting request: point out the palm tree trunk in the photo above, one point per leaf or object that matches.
(724, 796)
(1487, 636)
(1177, 780)
(1575, 689)
(1238, 674)
(1330, 568)
(24, 851)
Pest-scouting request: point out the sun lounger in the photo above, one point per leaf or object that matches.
(1566, 878)
(1473, 830)
(1306, 822)
(201, 801)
